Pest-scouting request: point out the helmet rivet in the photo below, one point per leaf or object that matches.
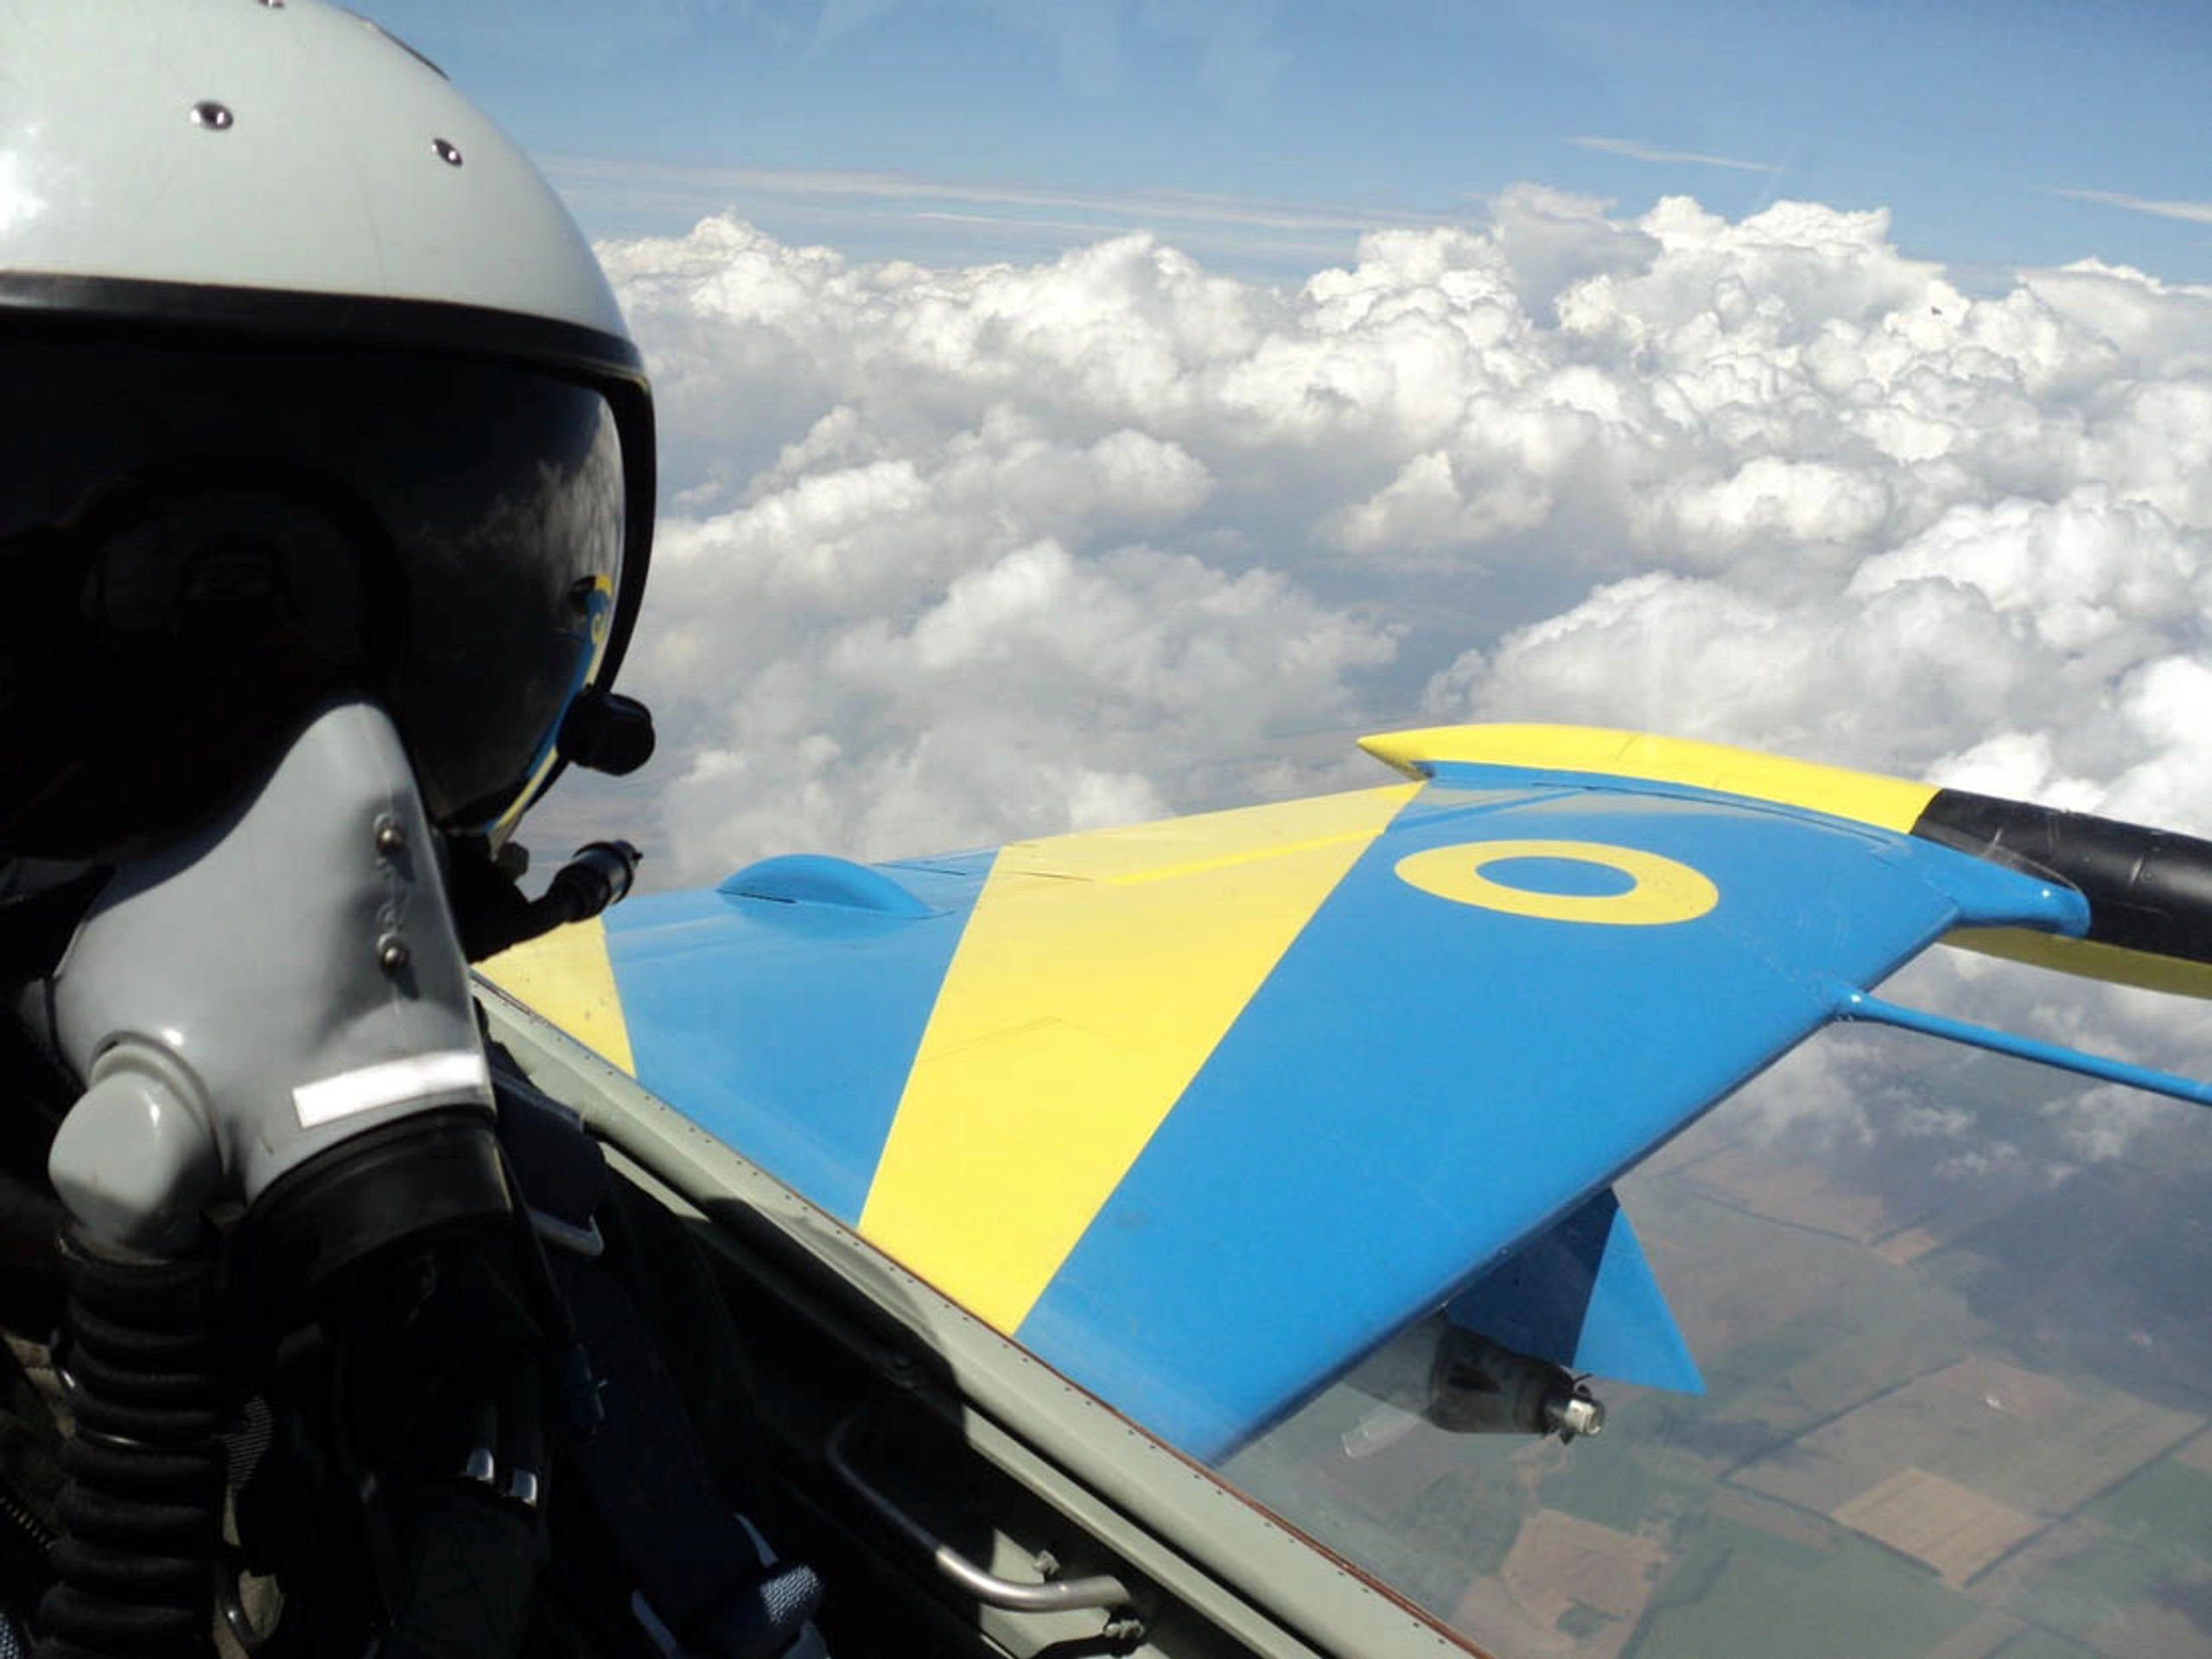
(390, 836)
(447, 152)
(215, 116)
(391, 953)
(273, 5)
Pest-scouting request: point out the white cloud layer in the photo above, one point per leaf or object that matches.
(953, 555)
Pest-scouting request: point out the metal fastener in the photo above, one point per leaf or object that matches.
(448, 151)
(391, 953)
(390, 836)
(1577, 1414)
(215, 116)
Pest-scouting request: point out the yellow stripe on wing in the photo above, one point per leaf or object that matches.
(1096, 975)
(1868, 798)
(567, 976)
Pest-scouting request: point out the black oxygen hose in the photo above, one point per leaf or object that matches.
(492, 914)
(141, 1515)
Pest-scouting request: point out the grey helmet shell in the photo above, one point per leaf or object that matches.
(292, 146)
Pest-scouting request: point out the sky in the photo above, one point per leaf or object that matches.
(1080, 414)
(1264, 134)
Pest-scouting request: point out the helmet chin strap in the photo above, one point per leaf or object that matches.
(271, 1017)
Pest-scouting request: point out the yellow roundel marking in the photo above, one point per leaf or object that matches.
(1660, 889)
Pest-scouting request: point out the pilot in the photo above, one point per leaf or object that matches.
(326, 496)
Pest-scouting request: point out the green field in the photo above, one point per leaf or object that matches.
(2150, 1538)
(1753, 1593)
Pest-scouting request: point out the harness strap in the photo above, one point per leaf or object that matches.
(625, 1433)
(644, 1470)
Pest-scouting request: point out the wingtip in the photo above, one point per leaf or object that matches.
(1400, 751)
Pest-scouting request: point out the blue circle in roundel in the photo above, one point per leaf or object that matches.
(1567, 878)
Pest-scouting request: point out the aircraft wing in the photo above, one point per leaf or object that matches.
(1200, 1112)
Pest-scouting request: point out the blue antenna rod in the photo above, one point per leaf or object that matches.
(1854, 1004)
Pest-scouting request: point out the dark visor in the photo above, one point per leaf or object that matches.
(200, 540)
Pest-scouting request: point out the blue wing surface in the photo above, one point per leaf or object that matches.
(1202, 1112)
(1580, 1295)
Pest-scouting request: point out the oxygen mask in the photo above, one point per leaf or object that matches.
(271, 1015)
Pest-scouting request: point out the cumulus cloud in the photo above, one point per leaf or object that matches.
(955, 554)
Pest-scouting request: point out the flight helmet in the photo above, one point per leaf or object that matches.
(314, 389)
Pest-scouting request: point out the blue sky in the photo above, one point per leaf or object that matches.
(1261, 135)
